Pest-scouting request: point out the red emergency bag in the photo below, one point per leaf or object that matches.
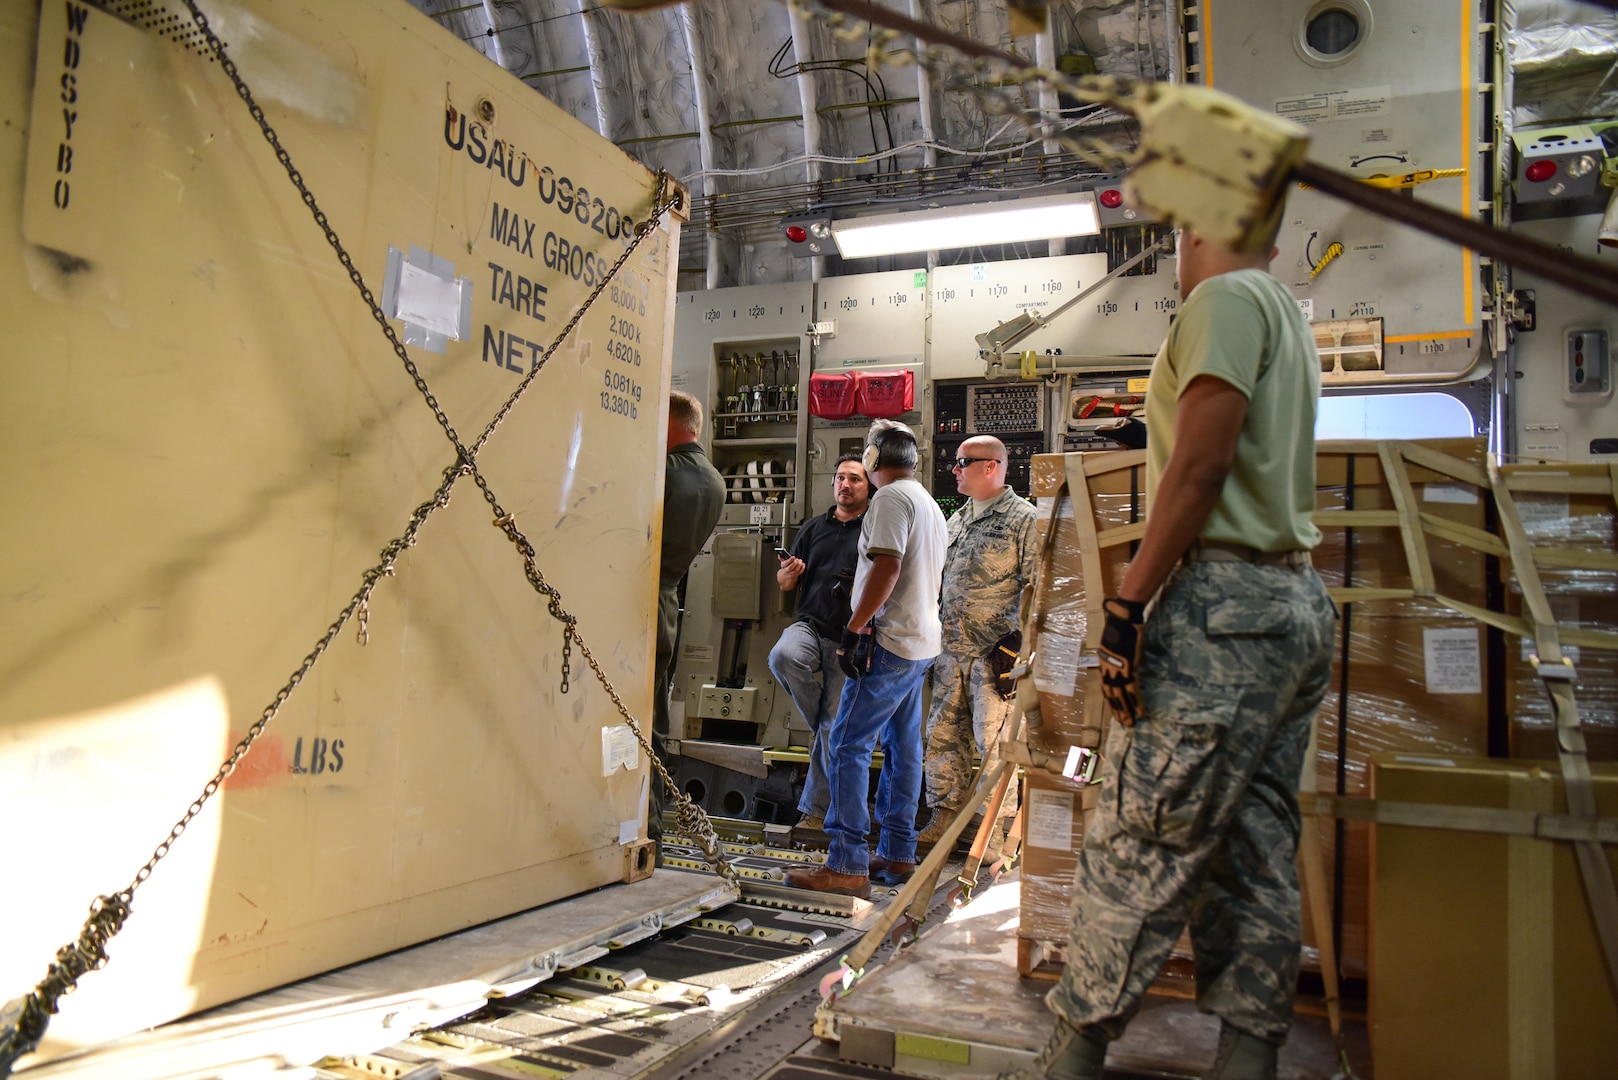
(885, 394)
(831, 395)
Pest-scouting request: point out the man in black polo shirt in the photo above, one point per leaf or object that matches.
(805, 659)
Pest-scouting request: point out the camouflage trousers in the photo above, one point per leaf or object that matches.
(1198, 820)
(967, 715)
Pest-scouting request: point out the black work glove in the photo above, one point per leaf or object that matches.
(1122, 640)
(1001, 659)
(854, 653)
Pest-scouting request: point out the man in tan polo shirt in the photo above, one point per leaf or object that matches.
(1213, 687)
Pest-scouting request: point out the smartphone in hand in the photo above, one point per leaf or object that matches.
(782, 553)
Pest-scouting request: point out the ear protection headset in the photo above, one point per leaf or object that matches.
(872, 452)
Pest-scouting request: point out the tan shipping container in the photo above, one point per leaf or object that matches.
(208, 441)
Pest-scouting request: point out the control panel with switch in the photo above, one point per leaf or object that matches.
(1558, 163)
(1589, 365)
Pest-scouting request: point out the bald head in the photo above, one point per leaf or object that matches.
(983, 474)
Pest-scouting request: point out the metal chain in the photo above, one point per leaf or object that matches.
(26, 1019)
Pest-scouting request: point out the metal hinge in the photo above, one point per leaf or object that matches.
(1521, 310)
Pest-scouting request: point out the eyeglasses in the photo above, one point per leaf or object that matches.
(963, 462)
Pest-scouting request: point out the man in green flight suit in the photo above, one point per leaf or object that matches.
(693, 495)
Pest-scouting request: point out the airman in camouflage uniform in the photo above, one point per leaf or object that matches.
(992, 550)
(1213, 695)
(1198, 819)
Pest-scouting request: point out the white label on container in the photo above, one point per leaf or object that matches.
(1454, 664)
(1050, 820)
(1307, 306)
(429, 301)
(619, 750)
(1056, 664)
(1459, 494)
(698, 653)
(629, 831)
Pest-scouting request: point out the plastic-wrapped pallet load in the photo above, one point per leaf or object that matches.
(1414, 676)
(1067, 680)
(1574, 528)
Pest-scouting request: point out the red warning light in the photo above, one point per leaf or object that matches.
(797, 233)
(1112, 198)
(1540, 171)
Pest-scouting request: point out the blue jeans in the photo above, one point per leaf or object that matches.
(886, 702)
(806, 664)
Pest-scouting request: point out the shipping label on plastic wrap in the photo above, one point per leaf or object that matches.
(1458, 494)
(1057, 663)
(1050, 819)
(1045, 504)
(1454, 664)
(1544, 515)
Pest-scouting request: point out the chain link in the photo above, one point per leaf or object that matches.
(27, 1018)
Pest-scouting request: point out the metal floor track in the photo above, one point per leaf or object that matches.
(687, 982)
(731, 993)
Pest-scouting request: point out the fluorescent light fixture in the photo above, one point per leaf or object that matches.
(973, 225)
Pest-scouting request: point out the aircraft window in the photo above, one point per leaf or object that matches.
(1393, 416)
(1332, 31)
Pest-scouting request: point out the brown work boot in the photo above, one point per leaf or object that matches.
(933, 831)
(1070, 1054)
(825, 879)
(890, 873)
(811, 823)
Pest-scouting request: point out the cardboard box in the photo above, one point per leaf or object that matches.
(1484, 962)
(1053, 832)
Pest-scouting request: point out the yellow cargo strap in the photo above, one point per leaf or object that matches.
(1556, 673)
(1484, 819)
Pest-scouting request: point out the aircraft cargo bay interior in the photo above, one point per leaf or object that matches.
(803, 539)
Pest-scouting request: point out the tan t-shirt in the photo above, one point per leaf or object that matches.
(1245, 328)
